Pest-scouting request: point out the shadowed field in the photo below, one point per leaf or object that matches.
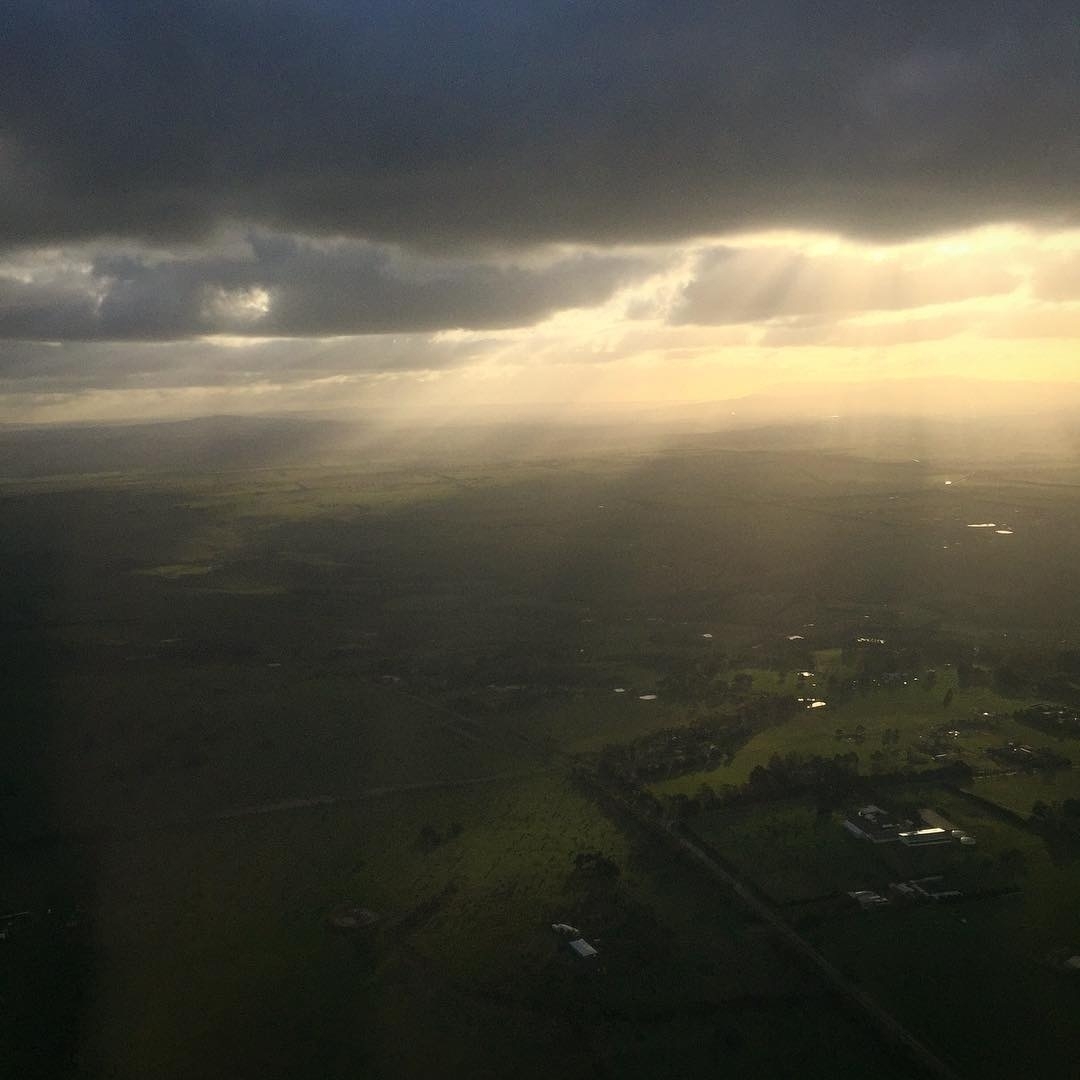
(239, 699)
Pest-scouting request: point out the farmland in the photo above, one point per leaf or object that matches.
(976, 719)
(241, 699)
(1018, 906)
(235, 912)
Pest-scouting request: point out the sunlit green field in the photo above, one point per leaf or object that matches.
(1019, 792)
(913, 711)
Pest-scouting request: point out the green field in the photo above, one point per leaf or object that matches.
(237, 698)
(1019, 793)
(463, 959)
(934, 964)
(792, 853)
(917, 714)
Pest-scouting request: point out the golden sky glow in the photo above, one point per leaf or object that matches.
(628, 349)
(504, 204)
(713, 319)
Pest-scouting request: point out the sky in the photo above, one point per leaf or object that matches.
(244, 206)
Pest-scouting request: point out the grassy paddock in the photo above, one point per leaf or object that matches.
(1020, 792)
(940, 967)
(462, 970)
(917, 714)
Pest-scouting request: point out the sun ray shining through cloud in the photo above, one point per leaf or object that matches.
(458, 459)
(760, 221)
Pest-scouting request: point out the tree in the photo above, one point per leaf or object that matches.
(1012, 862)
(596, 864)
(946, 701)
(965, 673)
(1009, 680)
(759, 780)
(679, 807)
(742, 683)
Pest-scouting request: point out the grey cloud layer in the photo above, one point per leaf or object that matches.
(511, 123)
(307, 288)
(388, 167)
(29, 367)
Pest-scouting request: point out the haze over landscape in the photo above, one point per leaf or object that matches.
(537, 539)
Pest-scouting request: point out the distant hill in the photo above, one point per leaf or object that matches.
(951, 419)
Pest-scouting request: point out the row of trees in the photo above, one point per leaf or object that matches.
(1062, 816)
(833, 782)
(711, 741)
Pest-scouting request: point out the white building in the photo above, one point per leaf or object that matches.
(583, 948)
(921, 837)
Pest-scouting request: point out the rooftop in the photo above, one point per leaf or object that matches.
(582, 948)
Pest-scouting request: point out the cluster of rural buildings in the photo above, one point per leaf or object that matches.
(1056, 718)
(880, 827)
(578, 945)
(915, 890)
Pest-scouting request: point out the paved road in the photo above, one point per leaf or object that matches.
(883, 1020)
(357, 796)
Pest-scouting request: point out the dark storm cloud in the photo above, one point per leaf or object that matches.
(282, 286)
(28, 367)
(509, 123)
